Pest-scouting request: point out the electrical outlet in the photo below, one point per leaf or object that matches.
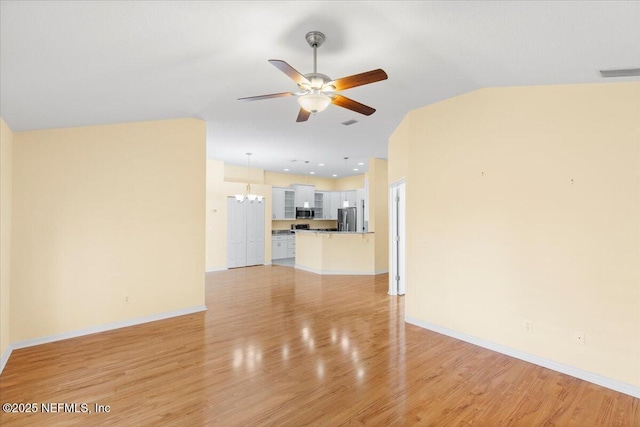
(126, 298)
(578, 338)
(528, 325)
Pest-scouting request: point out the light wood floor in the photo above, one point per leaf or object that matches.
(282, 347)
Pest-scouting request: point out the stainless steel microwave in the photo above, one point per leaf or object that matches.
(304, 213)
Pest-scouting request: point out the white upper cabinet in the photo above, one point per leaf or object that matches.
(319, 205)
(325, 204)
(277, 203)
(350, 196)
(336, 202)
(304, 194)
(289, 204)
(283, 203)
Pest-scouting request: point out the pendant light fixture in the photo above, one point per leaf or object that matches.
(247, 195)
(306, 181)
(345, 202)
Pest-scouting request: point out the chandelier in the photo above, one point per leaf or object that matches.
(247, 194)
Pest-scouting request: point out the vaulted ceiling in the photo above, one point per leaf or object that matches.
(68, 63)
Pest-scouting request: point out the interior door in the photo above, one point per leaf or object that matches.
(236, 233)
(255, 233)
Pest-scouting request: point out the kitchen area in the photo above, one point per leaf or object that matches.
(311, 229)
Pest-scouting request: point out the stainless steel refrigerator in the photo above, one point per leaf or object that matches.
(347, 219)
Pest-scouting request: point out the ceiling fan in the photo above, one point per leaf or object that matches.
(317, 91)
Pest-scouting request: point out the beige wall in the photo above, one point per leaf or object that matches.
(398, 151)
(6, 167)
(524, 203)
(349, 183)
(285, 180)
(103, 213)
(243, 174)
(321, 184)
(379, 211)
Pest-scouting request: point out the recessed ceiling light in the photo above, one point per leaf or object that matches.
(356, 169)
(320, 164)
(312, 173)
(335, 174)
(361, 163)
(286, 170)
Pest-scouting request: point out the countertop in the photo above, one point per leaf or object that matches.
(333, 232)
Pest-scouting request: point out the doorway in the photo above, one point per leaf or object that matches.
(397, 238)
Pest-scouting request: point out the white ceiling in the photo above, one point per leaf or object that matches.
(68, 63)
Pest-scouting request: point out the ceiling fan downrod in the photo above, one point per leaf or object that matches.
(315, 40)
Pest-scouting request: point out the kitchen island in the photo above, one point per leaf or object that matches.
(335, 252)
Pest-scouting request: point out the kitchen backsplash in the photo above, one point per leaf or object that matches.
(315, 223)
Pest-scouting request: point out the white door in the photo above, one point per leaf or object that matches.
(236, 233)
(245, 233)
(397, 239)
(255, 232)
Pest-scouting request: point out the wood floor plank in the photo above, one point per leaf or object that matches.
(283, 347)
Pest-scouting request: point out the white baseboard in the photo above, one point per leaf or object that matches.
(5, 357)
(612, 384)
(211, 270)
(108, 327)
(335, 272)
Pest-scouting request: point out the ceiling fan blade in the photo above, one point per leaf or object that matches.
(303, 115)
(271, 95)
(358, 79)
(290, 71)
(344, 102)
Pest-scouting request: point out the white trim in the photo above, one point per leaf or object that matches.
(336, 272)
(108, 327)
(610, 383)
(5, 357)
(212, 270)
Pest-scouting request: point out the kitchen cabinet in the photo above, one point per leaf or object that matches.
(350, 196)
(283, 246)
(320, 212)
(336, 203)
(283, 203)
(324, 208)
(277, 203)
(291, 246)
(278, 247)
(304, 194)
(289, 204)
(326, 205)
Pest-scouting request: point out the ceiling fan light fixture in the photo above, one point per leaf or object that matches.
(314, 102)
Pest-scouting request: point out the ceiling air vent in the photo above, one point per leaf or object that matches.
(623, 72)
(349, 122)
